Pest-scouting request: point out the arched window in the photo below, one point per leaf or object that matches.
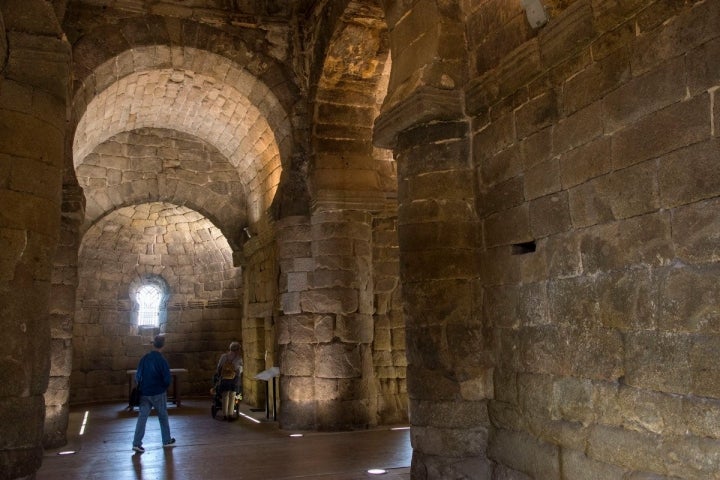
(150, 294)
(148, 299)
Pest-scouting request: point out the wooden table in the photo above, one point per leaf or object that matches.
(174, 397)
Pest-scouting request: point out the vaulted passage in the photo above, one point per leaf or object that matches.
(495, 221)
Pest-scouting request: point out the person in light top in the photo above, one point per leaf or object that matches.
(229, 371)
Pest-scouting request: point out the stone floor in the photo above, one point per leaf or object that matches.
(209, 449)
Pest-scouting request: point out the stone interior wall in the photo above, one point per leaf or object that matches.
(389, 357)
(204, 310)
(595, 144)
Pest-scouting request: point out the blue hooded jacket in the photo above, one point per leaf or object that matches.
(153, 374)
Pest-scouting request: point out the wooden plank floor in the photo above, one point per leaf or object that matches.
(208, 448)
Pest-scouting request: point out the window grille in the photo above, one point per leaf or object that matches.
(148, 298)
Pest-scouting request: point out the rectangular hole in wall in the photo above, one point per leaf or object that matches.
(523, 248)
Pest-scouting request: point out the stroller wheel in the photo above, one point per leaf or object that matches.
(213, 411)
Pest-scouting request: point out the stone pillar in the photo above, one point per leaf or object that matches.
(62, 313)
(389, 335)
(260, 291)
(33, 98)
(326, 331)
(449, 354)
(448, 350)
(296, 332)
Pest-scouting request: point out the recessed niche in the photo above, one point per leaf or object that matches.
(523, 248)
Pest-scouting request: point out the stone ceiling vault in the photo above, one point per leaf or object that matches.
(156, 238)
(166, 165)
(194, 92)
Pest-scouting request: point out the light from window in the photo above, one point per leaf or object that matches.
(148, 298)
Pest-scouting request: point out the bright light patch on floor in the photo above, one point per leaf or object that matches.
(376, 471)
(250, 418)
(400, 428)
(296, 434)
(84, 422)
(67, 452)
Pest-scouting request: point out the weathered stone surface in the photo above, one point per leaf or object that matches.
(585, 162)
(494, 138)
(501, 196)
(355, 328)
(502, 166)
(695, 233)
(686, 301)
(297, 390)
(466, 442)
(634, 450)
(296, 329)
(337, 361)
(525, 454)
(599, 78)
(635, 291)
(659, 361)
(290, 303)
(430, 384)
(644, 94)
(570, 32)
(508, 227)
(448, 415)
(298, 360)
(537, 114)
(342, 414)
(690, 28)
(56, 423)
(657, 133)
(679, 184)
(3, 42)
(433, 466)
(643, 240)
(439, 235)
(452, 299)
(577, 465)
(542, 179)
(550, 215)
(504, 473)
(702, 68)
(336, 300)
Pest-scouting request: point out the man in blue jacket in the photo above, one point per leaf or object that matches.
(153, 379)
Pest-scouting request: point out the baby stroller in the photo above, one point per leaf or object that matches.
(217, 398)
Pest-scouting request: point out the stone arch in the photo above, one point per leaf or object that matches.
(348, 89)
(151, 164)
(199, 93)
(117, 33)
(203, 302)
(92, 50)
(244, 110)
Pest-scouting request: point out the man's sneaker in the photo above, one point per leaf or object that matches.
(140, 449)
(170, 443)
